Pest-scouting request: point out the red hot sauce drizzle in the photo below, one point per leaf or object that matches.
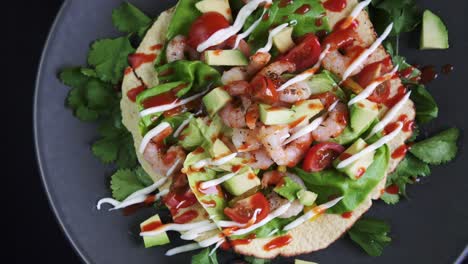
(186, 217)
(151, 226)
(347, 214)
(285, 3)
(278, 242)
(400, 152)
(134, 92)
(156, 47)
(335, 5)
(392, 189)
(137, 59)
(303, 9)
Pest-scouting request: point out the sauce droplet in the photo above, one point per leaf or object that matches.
(278, 242)
(284, 3)
(392, 189)
(303, 9)
(428, 74)
(335, 5)
(347, 214)
(137, 59)
(447, 68)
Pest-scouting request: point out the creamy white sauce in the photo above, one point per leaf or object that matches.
(213, 162)
(249, 30)
(310, 127)
(384, 140)
(371, 87)
(366, 53)
(151, 134)
(223, 34)
(196, 232)
(182, 126)
(153, 187)
(274, 231)
(359, 7)
(176, 227)
(389, 116)
(272, 33)
(281, 210)
(211, 183)
(182, 249)
(212, 240)
(316, 210)
(129, 201)
(308, 73)
(216, 247)
(167, 107)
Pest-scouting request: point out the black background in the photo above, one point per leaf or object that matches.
(27, 25)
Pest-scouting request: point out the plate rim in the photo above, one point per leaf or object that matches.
(39, 160)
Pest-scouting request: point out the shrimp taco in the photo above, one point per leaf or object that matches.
(268, 126)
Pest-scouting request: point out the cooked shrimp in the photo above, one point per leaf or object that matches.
(237, 88)
(296, 92)
(257, 62)
(245, 140)
(161, 161)
(257, 159)
(252, 115)
(276, 201)
(176, 48)
(233, 116)
(234, 74)
(273, 137)
(275, 69)
(333, 125)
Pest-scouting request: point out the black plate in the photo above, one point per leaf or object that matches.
(430, 227)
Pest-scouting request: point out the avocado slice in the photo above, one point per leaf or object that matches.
(363, 113)
(191, 137)
(305, 110)
(298, 261)
(288, 189)
(434, 33)
(275, 115)
(306, 198)
(215, 100)
(220, 6)
(283, 40)
(242, 182)
(225, 58)
(325, 82)
(219, 149)
(358, 168)
(157, 240)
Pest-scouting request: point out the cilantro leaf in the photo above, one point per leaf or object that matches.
(143, 177)
(125, 182)
(109, 57)
(438, 149)
(403, 13)
(129, 19)
(371, 234)
(426, 106)
(408, 169)
(115, 145)
(204, 257)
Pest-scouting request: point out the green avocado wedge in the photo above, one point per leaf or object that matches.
(434, 33)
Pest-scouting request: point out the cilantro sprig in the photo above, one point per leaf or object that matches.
(371, 234)
(126, 181)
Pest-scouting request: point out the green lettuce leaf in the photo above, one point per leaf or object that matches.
(426, 106)
(204, 257)
(184, 15)
(438, 149)
(306, 23)
(289, 189)
(371, 235)
(331, 183)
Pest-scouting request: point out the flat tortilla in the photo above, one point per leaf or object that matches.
(312, 235)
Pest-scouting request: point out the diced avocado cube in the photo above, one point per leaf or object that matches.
(220, 6)
(215, 100)
(157, 240)
(225, 58)
(321, 83)
(219, 149)
(298, 261)
(356, 169)
(191, 137)
(242, 182)
(306, 198)
(283, 40)
(305, 110)
(275, 115)
(434, 34)
(288, 189)
(363, 113)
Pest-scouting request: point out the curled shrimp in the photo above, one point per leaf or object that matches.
(245, 140)
(233, 115)
(275, 69)
(257, 159)
(177, 48)
(236, 88)
(333, 125)
(276, 201)
(162, 161)
(273, 137)
(294, 93)
(256, 63)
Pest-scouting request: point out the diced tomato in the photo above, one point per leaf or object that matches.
(372, 72)
(305, 54)
(244, 210)
(204, 26)
(264, 89)
(320, 156)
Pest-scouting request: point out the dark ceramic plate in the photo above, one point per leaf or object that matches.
(429, 227)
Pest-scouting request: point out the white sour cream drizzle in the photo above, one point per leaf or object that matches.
(151, 134)
(371, 87)
(281, 210)
(213, 162)
(167, 107)
(272, 33)
(363, 56)
(223, 34)
(212, 240)
(310, 127)
(182, 126)
(211, 183)
(357, 10)
(249, 30)
(274, 231)
(384, 140)
(316, 210)
(306, 74)
(196, 232)
(389, 115)
(182, 249)
(176, 227)
(216, 247)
